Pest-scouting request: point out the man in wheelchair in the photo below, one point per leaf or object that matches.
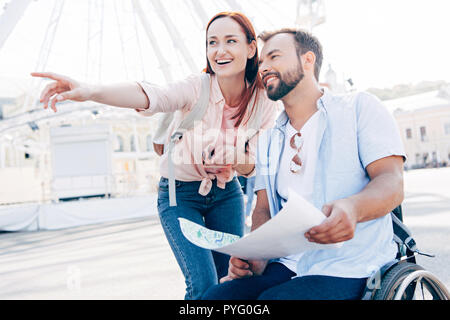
(344, 154)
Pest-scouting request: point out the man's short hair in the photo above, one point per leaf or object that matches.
(304, 42)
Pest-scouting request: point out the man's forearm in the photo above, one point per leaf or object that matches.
(244, 169)
(259, 217)
(379, 197)
(124, 95)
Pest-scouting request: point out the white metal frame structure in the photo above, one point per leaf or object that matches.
(31, 98)
(8, 20)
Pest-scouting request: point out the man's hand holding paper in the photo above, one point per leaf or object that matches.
(339, 225)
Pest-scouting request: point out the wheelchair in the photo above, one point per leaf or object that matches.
(403, 278)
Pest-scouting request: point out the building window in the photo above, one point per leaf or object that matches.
(408, 133)
(423, 134)
(132, 143)
(119, 144)
(418, 158)
(447, 128)
(425, 158)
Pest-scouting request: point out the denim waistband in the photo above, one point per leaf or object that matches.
(197, 183)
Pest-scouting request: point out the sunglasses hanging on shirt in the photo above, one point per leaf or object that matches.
(296, 144)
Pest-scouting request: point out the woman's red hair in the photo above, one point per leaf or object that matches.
(251, 70)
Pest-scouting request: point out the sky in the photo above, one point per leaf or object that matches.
(376, 43)
(385, 42)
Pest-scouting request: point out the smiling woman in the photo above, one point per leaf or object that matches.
(232, 63)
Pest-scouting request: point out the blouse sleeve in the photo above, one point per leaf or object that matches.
(180, 95)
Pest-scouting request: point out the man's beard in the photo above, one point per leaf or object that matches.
(286, 83)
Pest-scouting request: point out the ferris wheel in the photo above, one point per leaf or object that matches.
(116, 40)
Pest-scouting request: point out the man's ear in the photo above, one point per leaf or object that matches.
(309, 61)
(252, 49)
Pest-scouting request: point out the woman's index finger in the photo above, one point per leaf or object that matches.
(49, 75)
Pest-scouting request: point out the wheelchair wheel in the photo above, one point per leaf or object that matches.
(409, 281)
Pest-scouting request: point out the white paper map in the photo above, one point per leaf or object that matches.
(204, 237)
(281, 236)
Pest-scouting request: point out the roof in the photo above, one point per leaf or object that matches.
(432, 99)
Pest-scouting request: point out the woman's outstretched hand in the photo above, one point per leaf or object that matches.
(63, 88)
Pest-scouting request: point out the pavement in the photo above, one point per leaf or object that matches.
(116, 260)
(131, 259)
(426, 211)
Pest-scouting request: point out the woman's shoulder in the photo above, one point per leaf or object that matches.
(189, 86)
(194, 79)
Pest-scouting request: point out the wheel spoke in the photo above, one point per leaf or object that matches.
(408, 281)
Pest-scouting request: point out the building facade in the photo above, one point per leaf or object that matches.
(424, 124)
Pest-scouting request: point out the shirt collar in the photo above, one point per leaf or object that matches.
(325, 100)
(282, 119)
(322, 103)
(215, 89)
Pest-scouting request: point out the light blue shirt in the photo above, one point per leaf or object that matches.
(353, 131)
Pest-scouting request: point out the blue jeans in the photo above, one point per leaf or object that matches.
(221, 209)
(317, 288)
(276, 284)
(250, 288)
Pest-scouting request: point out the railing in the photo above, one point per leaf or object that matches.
(23, 185)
